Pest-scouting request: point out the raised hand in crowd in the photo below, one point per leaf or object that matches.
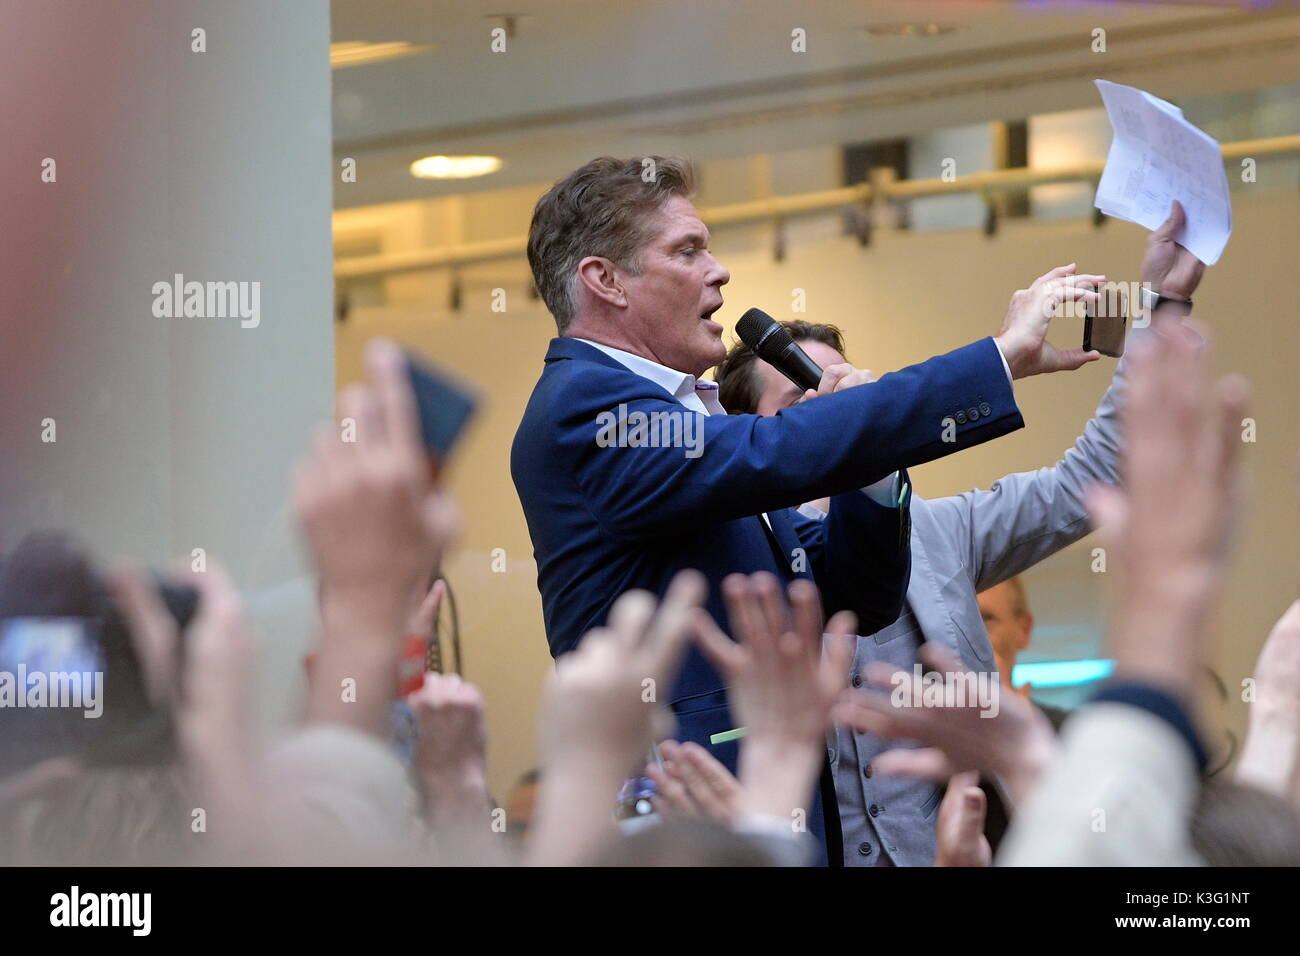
(427, 604)
(959, 729)
(450, 762)
(205, 691)
(1270, 759)
(1133, 754)
(692, 782)
(599, 715)
(960, 830)
(1168, 532)
(376, 528)
(783, 687)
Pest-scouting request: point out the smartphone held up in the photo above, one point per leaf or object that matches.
(1105, 322)
(445, 406)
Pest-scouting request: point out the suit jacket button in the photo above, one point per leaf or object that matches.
(874, 810)
(973, 413)
(857, 680)
(864, 849)
(986, 408)
(960, 417)
(867, 771)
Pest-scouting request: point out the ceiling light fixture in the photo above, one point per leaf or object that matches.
(455, 167)
(357, 52)
(909, 29)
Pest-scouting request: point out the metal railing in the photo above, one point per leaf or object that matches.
(876, 194)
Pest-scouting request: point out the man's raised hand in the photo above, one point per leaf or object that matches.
(1023, 338)
(1167, 267)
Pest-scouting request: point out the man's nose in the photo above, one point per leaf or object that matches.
(719, 275)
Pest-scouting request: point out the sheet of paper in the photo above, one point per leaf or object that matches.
(1156, 156)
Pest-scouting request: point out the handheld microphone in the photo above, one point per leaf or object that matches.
(772, 342)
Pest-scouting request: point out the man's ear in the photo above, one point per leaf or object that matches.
(600, 276)
(1026, 629)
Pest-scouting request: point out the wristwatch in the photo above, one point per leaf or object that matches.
(1151, 300)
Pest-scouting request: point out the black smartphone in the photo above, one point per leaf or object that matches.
(446, 405)
(1105, 323)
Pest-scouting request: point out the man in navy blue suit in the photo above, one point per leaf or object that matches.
(629, 470)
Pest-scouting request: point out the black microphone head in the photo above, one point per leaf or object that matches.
(762, 333)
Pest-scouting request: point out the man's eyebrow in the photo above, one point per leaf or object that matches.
(694, 236)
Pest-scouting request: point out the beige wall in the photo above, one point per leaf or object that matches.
(899, 301)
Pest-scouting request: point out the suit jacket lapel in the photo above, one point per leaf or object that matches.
(787, 540)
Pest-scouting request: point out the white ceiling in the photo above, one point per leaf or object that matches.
(714, 78)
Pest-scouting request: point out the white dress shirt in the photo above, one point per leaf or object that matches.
(696, 394)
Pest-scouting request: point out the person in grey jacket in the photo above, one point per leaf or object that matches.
(961, 545)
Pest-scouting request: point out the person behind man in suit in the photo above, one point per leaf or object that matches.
(628, 470)
(1004, 609)
(961, 545)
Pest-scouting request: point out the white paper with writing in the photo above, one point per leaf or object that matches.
(1156, 156)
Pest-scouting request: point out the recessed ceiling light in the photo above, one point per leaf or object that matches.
(455, 167)
(357, 52)
(909, 29)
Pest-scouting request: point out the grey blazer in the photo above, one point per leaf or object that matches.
(962, 545)
(967, 543)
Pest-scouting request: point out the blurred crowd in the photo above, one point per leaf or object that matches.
(172, 771)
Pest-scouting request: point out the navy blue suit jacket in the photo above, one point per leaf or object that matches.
(606, 519)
